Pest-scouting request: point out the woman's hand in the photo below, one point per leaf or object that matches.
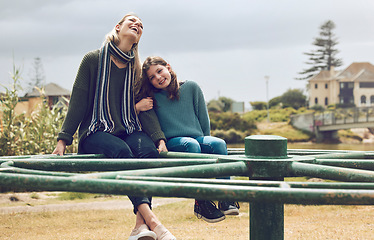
(162, 146)
(60, 148)
(144, 105)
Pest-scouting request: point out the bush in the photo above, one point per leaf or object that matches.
(230, 136)
(258, 105)
(228, 120)
(29, 135)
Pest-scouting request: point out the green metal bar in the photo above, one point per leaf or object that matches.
(314, 151)
(256, 183)
(266, 220)
(105, 164)
(264, 210)
(188, 190)
(333, 173)
(348, 163)
(348, 155)
(51, 156)
(189, 155)
(194, 171)
(8, 167)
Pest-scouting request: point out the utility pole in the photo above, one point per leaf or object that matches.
(267, 95)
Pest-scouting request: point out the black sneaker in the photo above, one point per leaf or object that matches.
(229, 208)
(208, 211)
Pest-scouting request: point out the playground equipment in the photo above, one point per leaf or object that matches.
(265, 160)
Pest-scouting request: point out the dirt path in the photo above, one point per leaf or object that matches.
(26, 202)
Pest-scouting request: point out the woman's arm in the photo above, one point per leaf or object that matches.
(151, 126)
(78, 102)
(60, 148)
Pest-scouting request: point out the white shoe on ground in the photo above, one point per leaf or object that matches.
(163, 234)
(142, 233)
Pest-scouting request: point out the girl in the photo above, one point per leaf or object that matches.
(184, 119)
(102, 109)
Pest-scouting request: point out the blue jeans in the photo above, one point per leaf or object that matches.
(135, 145)
(201, 144)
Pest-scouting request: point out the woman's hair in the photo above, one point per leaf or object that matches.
(144, 88)
(112, 36)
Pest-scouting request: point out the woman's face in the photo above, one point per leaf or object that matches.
(159, 76)
(131, 28)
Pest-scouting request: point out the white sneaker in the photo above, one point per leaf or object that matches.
(163, 233)
(142, 233)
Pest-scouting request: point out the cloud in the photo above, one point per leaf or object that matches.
(227, 46)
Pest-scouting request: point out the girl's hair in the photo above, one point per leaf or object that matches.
(112, 36)
(144, 88)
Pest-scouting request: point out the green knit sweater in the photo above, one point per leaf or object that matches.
(81, 103)
(186, 117)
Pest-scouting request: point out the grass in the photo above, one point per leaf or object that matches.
(301, 222)
(283, 129)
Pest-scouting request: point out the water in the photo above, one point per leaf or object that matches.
(340, 146)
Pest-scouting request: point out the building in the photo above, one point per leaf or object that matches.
(353, 85)
(52, 92)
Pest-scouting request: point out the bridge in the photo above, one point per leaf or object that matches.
(326, 124)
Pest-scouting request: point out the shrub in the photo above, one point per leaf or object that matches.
(29, 135)
(230, 136)
(228, 120)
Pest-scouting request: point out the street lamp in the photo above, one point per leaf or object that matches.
(267, 95)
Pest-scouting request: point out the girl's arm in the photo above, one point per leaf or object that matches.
(144, 105)
(201, 110)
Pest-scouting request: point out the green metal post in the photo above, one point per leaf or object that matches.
(266, 220)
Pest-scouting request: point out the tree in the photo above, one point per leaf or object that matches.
(227, 103)
(324, 57)
(293, 98)
(258, 105)
(223, 104)
(36, 75)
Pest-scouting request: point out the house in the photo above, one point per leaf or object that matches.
(52, 92)
(353, 85)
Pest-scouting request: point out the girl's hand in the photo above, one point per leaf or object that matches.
(60, 148)
(144, 105)
(162, 146)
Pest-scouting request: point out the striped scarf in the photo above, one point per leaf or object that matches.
(101, 117)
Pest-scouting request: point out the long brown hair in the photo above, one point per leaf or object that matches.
(144, 88)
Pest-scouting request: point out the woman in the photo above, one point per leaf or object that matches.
(184, 119)
(102, 107)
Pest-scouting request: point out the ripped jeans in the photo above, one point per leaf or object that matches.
(201, 144)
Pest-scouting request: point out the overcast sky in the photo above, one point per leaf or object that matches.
(227, 47)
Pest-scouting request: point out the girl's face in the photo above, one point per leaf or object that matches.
(131, 27)
(159, 76)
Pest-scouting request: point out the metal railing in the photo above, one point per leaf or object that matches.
(345, 116)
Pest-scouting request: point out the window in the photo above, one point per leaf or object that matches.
(372, 99)
(326, 101)
(326, 86)
(366, 84)
(346, 85)
(316, 101)
(363, 99)
(315, 85)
